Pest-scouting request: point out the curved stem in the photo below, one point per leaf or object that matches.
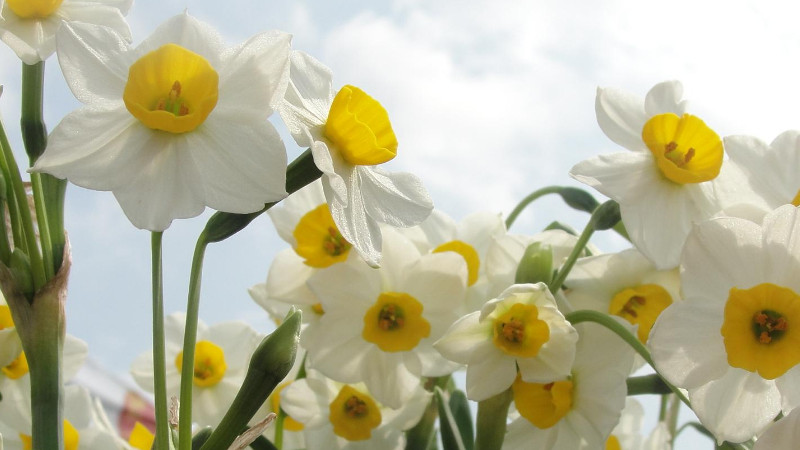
(609, 322)
(512, 217)
(159, 356)
(565, 268)
(189, 342)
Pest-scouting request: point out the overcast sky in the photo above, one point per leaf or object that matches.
(489, 99)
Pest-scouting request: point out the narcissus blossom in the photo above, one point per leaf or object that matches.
(174, 125)
(222, 354)
(379, 325)
(521, 329)
(663, 183)
(347, 416)
(580, 411)
(29, 26)
(734, 342)
(349, 134)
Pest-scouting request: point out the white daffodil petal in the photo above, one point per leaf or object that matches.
(719, 254)
(737, 406)
(308, 97)
(665, 97)
(390, 383)
(32, 40)
(782, 243)
(286, 279)
(397, 199)
(686, 344)
(240, 182)
(783, 435)
(490, 376)
(265, 54)
(463, 338)
(88, 57)
(190, 34)
(163, 190)
(621, 116)
(618, 175)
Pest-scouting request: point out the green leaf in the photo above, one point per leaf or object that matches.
(459, 406)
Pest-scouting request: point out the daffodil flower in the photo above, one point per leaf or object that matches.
(222, 354)
(734, 342)
(29, 26)
(349, 134)
(580, 411)
(521, 330)
(174, 125)
(664, 183)
(348, 416)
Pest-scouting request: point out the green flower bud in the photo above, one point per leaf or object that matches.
(578, 199)
(536, 264)
(606, 215)
(269, 364)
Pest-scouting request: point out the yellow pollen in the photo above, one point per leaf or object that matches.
(33, 9)
(171, 89)
(519, 331)
(317, 308)
(685, 149)
(354, 414)
(640, 305)
(469, 254)
(359, 127)
(758, 331)
(209, 364)
(18, 368)
(319, 241)
(544, 405)
(395, 323)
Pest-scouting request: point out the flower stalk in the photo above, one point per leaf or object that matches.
(159, 351)
(491, 422)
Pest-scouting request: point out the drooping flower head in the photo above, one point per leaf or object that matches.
(29, 26)
(735, 339)
(174, 125)
(349, 133)
(662, 183)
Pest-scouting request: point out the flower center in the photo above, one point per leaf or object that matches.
(519, 331)
(318, 239)
(759, 329)
(469, 254)
(17, 368)
(275, 401)
(640, 305)
(141, 438)
(685, 148)
(542, 404)
(354, 414)
(6, 321)
(395, 323)
(33, 9)
(171, 89)
(209, 364)
(71, 438)
(359, 127)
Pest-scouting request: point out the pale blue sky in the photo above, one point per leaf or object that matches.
(490, 100)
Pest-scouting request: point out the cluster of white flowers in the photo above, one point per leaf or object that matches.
(397, 297)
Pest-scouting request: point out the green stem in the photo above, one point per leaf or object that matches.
(647, 384)
(44, 227)
(24, 237)
(278, 441)
(512, 217)
(491, 421)
(159, 352)
(609, 322)
(189, 342)
(577, 250)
